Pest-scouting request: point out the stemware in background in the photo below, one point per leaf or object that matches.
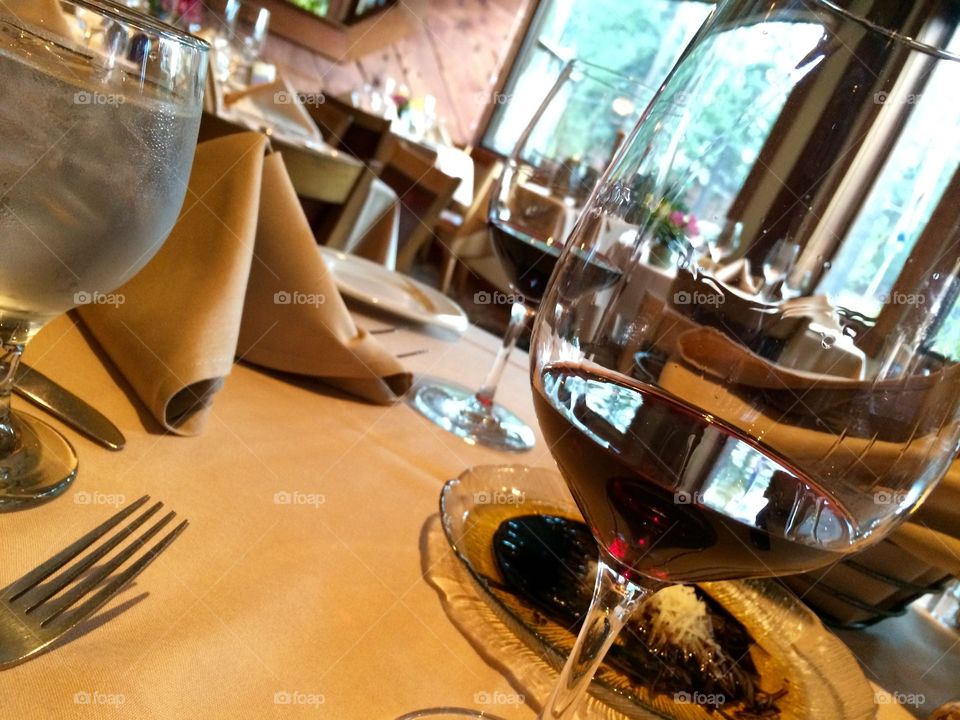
(554, 167)
(218, 23)
(777, 265)
(247, 37)
(98, 142)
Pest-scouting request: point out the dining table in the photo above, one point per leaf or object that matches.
(303, 585)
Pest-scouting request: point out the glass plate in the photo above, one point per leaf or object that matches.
(792, 646)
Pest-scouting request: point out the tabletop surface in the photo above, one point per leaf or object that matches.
(299, 588)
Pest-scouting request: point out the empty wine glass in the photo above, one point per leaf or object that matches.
(98, 136)
(730, 454)
(219, 21)
(777, 264)
(552, 171)
(247, 37)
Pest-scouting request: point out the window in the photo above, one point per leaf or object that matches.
(642, 40)
(899, 205)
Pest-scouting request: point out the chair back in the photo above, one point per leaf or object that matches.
(365, 136)
(424, 192)
(333, 122)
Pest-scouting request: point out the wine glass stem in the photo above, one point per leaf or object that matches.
(10, 353)
(615, 598)
(519, 313)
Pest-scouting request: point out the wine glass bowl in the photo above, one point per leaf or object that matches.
(761, 436)
(98, 150)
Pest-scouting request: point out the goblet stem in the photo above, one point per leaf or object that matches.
(10, 353)
(615, 599)
(519, 313)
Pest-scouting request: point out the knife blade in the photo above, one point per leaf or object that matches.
(64, 405)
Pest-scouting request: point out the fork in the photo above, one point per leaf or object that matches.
(33, 615)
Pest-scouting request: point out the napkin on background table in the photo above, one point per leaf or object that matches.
(275, 104)
(240, 275)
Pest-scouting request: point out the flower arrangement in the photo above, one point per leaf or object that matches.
(182, 12)
(675, 222)
(668, 223)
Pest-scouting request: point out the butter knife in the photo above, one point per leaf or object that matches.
(64, 405)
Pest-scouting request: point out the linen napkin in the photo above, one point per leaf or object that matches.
(294, 319)
(175, 335)
(274, 104)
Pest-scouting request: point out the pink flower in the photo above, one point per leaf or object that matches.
(677, 219)
(692, 226)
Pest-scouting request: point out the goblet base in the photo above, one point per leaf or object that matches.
(447, 714)
(39, 465)
(456, 410)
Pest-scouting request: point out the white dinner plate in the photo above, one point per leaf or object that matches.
(392, 292)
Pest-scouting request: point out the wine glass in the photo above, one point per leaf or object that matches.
(98, 137)
(218, 22)
(554, 167)
(777, 266)
(248, 34)
(724, 456)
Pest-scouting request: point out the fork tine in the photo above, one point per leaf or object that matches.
(72, 596)
(88, 560)
(46, 569)
(120, 581)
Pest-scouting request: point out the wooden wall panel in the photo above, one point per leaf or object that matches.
(453, 51)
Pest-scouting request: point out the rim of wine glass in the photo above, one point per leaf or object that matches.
(913, 43)
(142, 21)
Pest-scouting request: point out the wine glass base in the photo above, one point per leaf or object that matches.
(455, 409)
(40, 466)
(445, 713)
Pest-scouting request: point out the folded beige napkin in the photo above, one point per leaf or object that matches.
(316, 336)
(239, 267)
(709, 369)
(277, 105)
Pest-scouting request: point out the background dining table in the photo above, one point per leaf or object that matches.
(301, 587)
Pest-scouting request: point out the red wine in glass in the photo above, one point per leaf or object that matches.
(673, 494)
(529, 262)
